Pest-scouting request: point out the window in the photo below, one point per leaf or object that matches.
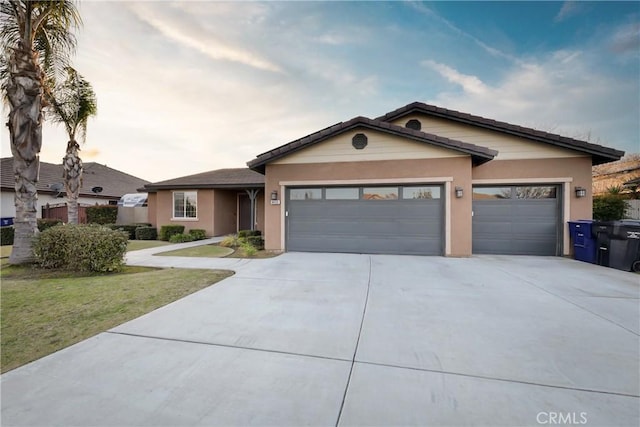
(185, 204)
(491, 193)
(421, 192)
(533, 192)
(380, 193)
(344, 193)
(305, 194)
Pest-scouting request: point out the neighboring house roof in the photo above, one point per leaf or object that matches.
(632, 182)
(599, 153)
(113, 182)
(220, 178)
(478, 154)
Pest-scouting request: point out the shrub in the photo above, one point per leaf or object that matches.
(248, 249)
(44, 223)
(6, 236)
(181, 238)
(230, 241)
(146, 233)
(127, 228)
(248, 233)
(102, 214)
(166, 231)
(198, 234)
(608, 207)
(256, 241)
(81, 248)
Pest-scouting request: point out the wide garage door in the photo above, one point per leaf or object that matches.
(385, 219)
(516, 220)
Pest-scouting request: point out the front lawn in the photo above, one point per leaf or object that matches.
(216, 251)
(43, 311)
(136, 245)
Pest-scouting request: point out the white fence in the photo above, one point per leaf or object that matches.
(633, 209)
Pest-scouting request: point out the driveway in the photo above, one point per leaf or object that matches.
(335, 339)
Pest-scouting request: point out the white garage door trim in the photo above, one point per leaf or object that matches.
(565, 182)
(446, 181)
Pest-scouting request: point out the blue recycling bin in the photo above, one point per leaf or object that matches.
(5, 222)
(584, 245)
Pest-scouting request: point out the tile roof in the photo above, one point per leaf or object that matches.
(599, 153)
(220, 178)
(113, 182)
(478, 154)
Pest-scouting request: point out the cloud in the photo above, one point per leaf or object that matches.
(568, 9)
(204, 42)
(626, 39)
(562, 93)
(470, 84)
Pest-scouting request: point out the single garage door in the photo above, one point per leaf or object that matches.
(516, 220)
(384, 219)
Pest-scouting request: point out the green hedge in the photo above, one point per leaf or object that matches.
(146, 233)
(248, 233)
(6, 236)
(256, 241)
(130, 229)
(608, 207)
(44, 223)
(198, 234)
(181, 238)
(166, 231)
(81, 248)
(102, 214)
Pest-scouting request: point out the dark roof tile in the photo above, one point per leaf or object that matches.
(220, 178)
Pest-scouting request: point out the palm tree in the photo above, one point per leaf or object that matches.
(37, 42)
(72, 103)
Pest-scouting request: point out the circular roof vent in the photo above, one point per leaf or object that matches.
(359, 141)
(413, 124)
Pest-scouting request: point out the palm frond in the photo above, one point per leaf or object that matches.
(73, 102)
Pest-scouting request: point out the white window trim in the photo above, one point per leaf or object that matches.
(173, 207)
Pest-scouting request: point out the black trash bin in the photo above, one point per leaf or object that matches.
(601, 232)
(624, 246)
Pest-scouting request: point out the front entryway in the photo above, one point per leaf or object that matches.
(366, 219)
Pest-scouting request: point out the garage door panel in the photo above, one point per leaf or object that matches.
(515, 226)
(365, 226)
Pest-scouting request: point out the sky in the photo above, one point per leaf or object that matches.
(191, 86)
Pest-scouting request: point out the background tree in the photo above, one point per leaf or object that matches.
(37, 42)
(72, 102)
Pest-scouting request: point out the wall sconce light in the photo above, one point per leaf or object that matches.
(581, 192)
(274, 195)
(458, 192)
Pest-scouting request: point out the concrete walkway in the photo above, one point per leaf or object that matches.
(335, 339)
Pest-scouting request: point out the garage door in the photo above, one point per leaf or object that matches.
(385, 219)
(516, 220)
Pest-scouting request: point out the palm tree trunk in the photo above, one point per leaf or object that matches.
(25, 96)
(72, 165)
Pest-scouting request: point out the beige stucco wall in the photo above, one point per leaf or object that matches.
(152, 212)
(164, 211)
(455, 170)
(508, 147)
(225, 208)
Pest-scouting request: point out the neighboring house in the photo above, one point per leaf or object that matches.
(100, 185)
(218, 201)
(419, 180)
(616, 174)
(427, 180)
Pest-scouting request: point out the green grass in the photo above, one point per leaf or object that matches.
(136, 245)
(42, 311)
(5, 251)
(203, 251)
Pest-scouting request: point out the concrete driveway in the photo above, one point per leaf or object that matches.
(334, 339)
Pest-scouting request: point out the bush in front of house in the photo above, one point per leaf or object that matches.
(247, 233)
(198, 234)
(127, 228)
(146, 233)
(6, 236)
(181, 238)
(609, 207)
(102, 214)
(81, 248)
(230, 241)
(166, 231)
(256, 241)
(44, 223)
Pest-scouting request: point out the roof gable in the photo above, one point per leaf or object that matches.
(600, 154)
(478, 154)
